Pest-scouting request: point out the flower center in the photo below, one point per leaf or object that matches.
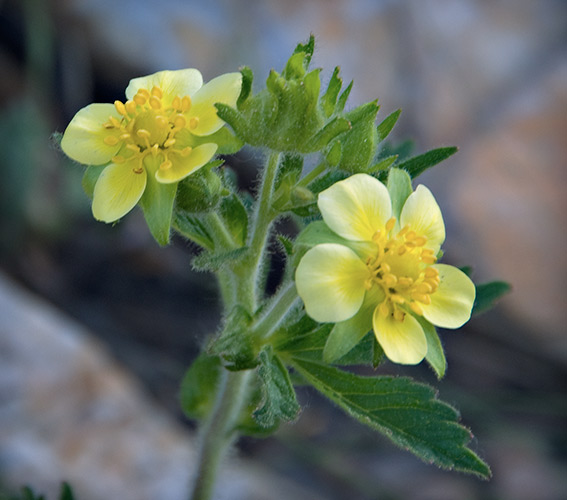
(402, 269)
(149, 127)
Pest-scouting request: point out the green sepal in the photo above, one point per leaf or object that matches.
(157, 205)
(236, 346)
(399, 187)
(246, 89)
(279, 402)
(334, 153)
(227, 142)
(345, 335)
(90, 177)
(329, 98)
(199, 386)
(193, 228)
(487, 294)
(407, 412)
(358, 145)
(316, 186)
(435, 356)
(234, 214)
(418, 164)
(201, 191)
(386, 126)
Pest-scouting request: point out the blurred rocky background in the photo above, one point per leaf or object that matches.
(97, 324)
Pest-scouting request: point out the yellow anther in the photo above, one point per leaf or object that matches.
(404, 230)
(111, 140)
(139, 99)
(405, 281)
(398, 299)
(120, 107)
(186, 151)
(138, 170)
(399, 315)
(420, 241)
(155, 103)
(402, 250)
(154, 149)
(416, 308)
(133, 147)
(385, 267)
(162, 121)
(428, 259)
(169, 143)
(156, 91)
(166, 165)
(424, 288)
(410, 235)
(185, 103)
(390, 280)
(421, 297)
(376, 236)
(107, 125)
(383, 309)
(431, 272)
(193, 122)
(118, 159)
(125, 136)
(390, 224)
(115, 123)
(143, 133)
(179, 121)
(176, 103)
(130, 107)
(368, 283)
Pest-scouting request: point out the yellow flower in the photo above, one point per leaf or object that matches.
(386, 267)
(152, 133)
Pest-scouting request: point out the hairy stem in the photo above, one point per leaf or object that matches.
(218, 432)
(279, 307)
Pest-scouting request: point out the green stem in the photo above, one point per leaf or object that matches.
(249, 272)
(316, 172)
(280, 305)
(218, 432)
(220, 234)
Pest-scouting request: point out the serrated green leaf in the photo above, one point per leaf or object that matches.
(286, 244)
(399, 187)
(418, 164)
(333, 128)
(279, 402)
(199, 384)
(307, 48)
(233, 118)
(407, 412)
(386, 126)
(192, 227)
(487, 294)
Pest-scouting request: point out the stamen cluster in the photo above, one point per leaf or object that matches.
(148, 127)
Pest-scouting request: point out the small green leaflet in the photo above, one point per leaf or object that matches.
(199, 386)
(407, 412)
(418, 164)
(278, 396)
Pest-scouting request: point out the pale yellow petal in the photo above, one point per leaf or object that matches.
(330, 281)
(356, 207)
(404, 341)
(83, 140)
(225, 89)
(180, 83)
(451, 304)
(182, 166)
(422, 213)
(117, 191)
